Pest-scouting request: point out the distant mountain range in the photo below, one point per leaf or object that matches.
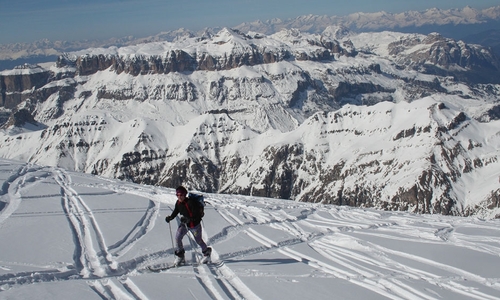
(362, 22)
(390, 120)
(467, 24)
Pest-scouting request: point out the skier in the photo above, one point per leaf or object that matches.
(192, 212)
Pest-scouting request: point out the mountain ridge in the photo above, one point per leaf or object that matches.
(44, 50)
(330, 118)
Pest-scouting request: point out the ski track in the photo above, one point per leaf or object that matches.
(93, 259)
(10, 194)
(222, 276)
(351, 266)
(93, 262)
(140, 229)
(373, 270)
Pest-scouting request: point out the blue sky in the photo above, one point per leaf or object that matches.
(30, 20)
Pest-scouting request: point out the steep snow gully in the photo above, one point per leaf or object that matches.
(65, 233)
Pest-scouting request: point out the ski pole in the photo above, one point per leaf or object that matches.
(171, 237)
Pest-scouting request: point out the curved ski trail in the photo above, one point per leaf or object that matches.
(228, 281)
(92, 262)
(11, 189)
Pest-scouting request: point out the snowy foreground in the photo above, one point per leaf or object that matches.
(65, 235)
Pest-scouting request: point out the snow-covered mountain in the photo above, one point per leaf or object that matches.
(449, 21)
(387, 120)
(379, 20)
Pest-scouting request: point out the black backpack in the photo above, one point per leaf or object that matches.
(200, 200)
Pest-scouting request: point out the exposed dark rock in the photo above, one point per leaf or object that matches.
(13, 86)
(345, 89)
(447, 57)
(20, 118)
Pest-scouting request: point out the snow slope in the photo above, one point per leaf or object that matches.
(66, 234)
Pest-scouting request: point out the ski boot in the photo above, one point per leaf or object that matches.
(206, 255)
(179, 258)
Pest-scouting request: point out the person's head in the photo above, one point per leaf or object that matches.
(181, 193)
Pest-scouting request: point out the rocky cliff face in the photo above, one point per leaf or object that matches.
(447, 57)
(14, 85)
(335, 118)
(245, 51)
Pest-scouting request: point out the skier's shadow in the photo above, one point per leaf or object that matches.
(263, 261)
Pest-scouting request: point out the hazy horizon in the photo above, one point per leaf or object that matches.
(29, 21)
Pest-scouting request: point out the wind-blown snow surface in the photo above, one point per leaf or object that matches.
(67, 234)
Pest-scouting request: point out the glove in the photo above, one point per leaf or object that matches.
(185, 220)
(168, 219)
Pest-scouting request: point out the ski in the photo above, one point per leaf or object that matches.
(164, 267)
(159, 268)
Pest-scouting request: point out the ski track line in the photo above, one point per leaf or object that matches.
(130, 286)
(333, 252)
(405, 271)
(201, 274)
(26, 278)
(476, 243)
(392, 284)
(232, 283)
(390, 265)
(144, 225)
(12, 187)
(293, 229)
(462, 273)
(376, 287)
(227, 280)
(478, 246)
(84, 224)
(467, 291)
(108, 289)
(132, 190)
(348, 260)
(92, 263)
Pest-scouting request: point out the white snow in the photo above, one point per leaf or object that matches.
(71, 235)
(23, 70)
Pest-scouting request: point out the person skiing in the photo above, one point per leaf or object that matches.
(192, 212)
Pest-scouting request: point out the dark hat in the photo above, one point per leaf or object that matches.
(181, 190)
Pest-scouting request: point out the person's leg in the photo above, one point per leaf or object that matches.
(196, 231)
(181, 232)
